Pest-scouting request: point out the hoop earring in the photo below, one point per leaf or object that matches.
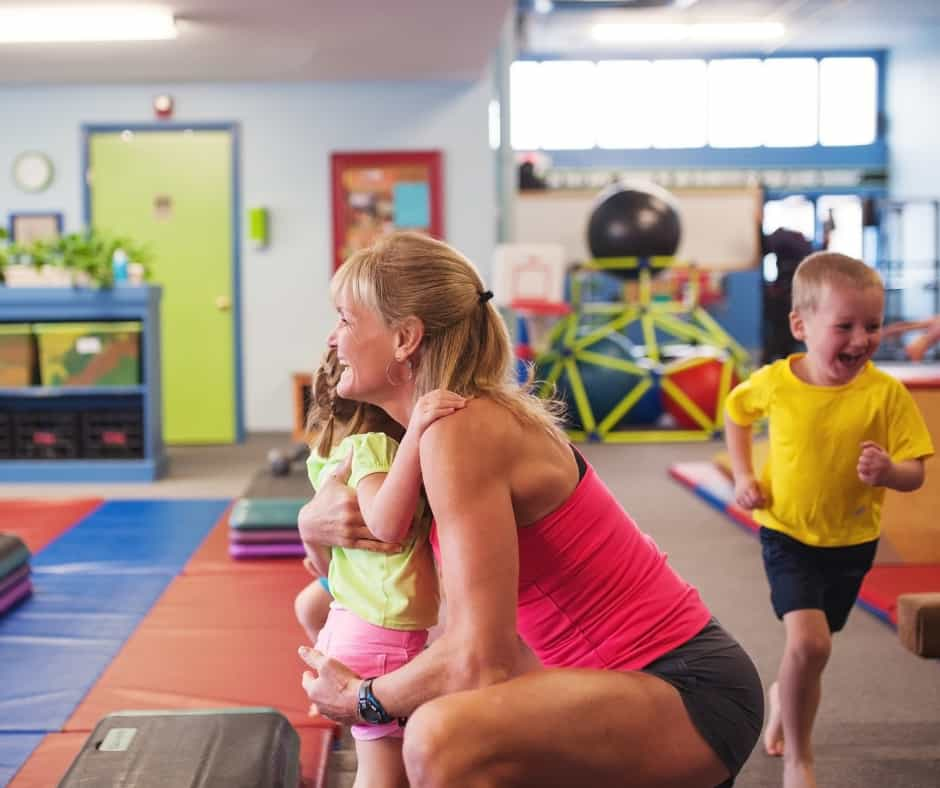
(408, 366)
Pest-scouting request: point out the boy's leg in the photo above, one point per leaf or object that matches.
(380, 764)
(799, 687)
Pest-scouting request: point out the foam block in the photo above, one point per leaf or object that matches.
(250, 747)
(919, 623)
(265, 513)
(282, 549)
(272, 535)
(22, 589)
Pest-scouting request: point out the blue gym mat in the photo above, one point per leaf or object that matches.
(92, 585)
(15, 748)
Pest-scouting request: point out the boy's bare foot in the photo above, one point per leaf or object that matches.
(799, 775)
(773, 733)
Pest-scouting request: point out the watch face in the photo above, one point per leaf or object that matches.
(32, 171)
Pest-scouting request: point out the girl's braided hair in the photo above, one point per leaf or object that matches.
(331, 418)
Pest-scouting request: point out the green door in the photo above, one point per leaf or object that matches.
(174, 189)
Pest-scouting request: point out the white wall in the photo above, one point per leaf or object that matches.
(913, 119)
(287, 134)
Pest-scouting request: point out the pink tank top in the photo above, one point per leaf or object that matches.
(594, 590)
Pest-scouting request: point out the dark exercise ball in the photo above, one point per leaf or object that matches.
(630, 220)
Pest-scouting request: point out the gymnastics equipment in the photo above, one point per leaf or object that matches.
(604, 359)
(604, 387)
(694, 390)
(233, 747)
(919, 623)
(15, 579)
(633, 220)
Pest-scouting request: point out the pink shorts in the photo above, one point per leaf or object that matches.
(369, 651)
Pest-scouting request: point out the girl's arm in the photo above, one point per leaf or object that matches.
(388, 500)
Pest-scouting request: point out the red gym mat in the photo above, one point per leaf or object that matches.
(213, 557)
(39, 522)
(211, 641)
(886, 582)
(52, 758)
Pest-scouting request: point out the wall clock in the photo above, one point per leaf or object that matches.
(32, 171)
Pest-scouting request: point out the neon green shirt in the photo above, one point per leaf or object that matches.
(395, 590)
(816, 496)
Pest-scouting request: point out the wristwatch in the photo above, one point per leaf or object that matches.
(370, 710)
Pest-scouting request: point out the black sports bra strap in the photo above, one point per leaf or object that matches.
(582, 464)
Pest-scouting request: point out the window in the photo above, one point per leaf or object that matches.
(775, 102)
(735, 93)
(624, 87)
(848, 91)
(679, 103)
(791, 108)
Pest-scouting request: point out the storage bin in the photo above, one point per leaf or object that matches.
(45, 435)
(6, 435)
(89, 354)
(17, 355)
(112, 434)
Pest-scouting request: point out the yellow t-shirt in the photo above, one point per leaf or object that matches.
(392, 590)
(815, 435)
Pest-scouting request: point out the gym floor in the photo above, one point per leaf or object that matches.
(879, 722)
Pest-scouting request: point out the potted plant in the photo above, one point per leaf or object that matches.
(87, 256)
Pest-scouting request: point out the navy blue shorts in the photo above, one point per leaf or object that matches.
(803, 577)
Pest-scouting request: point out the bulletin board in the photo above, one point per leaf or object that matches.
(719, 226)
(375, 193)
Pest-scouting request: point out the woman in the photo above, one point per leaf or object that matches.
(643, 686)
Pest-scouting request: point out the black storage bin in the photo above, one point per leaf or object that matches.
(6, 435)
(45, 435)
(112, 434)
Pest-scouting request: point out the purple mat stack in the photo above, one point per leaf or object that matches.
(15, 583)
(265, 528)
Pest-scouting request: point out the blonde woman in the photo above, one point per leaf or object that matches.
(621, 675)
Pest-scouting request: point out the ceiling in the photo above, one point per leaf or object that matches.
(810, 24)
(300, 40)
(278, 40)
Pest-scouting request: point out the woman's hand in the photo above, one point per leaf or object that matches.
(433, 406)
(332, 517)
(333, 688)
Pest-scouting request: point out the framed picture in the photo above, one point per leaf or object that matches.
(378, 192)
(28, 227)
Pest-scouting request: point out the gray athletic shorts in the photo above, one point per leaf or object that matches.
(721, 691)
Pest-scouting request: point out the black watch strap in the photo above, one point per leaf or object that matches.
(370, 710)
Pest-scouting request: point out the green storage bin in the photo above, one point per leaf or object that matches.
(17, 355)
(89, 354)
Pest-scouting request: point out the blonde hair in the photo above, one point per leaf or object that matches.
(330, 417)
(823, 269)
(466, 346)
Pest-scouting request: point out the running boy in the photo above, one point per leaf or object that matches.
(841, 431)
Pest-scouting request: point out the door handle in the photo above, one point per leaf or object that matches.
(223, 303)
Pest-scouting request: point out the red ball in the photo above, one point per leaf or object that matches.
(700, 380)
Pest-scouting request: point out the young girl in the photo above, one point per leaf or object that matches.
(383, 603)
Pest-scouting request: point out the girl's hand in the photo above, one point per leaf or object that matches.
(874, 464)
(748, 493)
(433, 406)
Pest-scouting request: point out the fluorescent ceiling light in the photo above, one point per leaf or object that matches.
(738, 32)
(69, 24)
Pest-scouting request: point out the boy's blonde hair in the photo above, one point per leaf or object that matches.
(466, 347)
(823, 269)
(330, 417)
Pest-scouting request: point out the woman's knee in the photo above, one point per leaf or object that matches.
(432, 748)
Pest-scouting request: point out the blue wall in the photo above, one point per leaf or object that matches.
(287, 134)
